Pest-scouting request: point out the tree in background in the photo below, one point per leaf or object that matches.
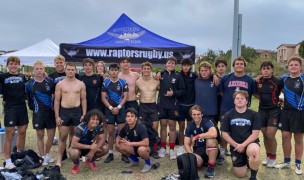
(301, 49)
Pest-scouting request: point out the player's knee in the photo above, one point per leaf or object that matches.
(143, 151)
(240, 173)
(40, 136)
(212, 143)
(74, 153)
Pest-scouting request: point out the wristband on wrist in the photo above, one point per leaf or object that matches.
(119, 106)
(111, 108)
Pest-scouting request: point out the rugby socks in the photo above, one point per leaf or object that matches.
(148, 161)
(76, 161)
(297, 161)
(287, 160)
(268, 155)
(163, 144)
(253, 174)
(172, 145)
(211, 164)
(111, 152)
(155, 147)
(8, 161)
(133, 158)
(273, 156)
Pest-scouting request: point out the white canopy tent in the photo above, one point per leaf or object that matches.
(44, 51)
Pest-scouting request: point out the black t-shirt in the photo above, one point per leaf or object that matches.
(86, 136)
(240, 125)
(192, 131)
(93, 89)
(269, 91)
(13, 89)
(137, 134)
(56, 76)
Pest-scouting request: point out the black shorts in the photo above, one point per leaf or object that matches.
(131, 104)
(15, 116)
(239, 159)
(292, 121)
(44, 119)
(148, 112)
(112, 118)
(70, 116)
(201, 151)
(270, 117)
(168, 114)
(184, 112)
(136, 151)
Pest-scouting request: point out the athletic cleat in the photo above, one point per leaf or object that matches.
(210, 172)
(172, 154)
(146, 168)
(282, 165)
(50, 157)
(155, 155)
(180, 150)
(10, 166)
(162, 152)
(92, 165)
(271, 163)
(45, 160)
(264, 163)
(132, 164)
(298, 169)
(109, 158)
(125, 159)
(75, 169)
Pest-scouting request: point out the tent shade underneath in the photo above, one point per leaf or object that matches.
(77, 53)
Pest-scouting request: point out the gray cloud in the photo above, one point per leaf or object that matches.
(203, 23)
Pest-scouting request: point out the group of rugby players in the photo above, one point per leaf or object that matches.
(100, 109)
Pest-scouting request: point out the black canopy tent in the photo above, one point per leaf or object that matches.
(125, 38)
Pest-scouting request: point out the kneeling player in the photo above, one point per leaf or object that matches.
(133, 141)
(240, 128)
(204, 142)
(88, 141)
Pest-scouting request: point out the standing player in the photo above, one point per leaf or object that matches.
(15, 111)
(147, 86)
(40, 98)
(114, 96)
(59, 74)
(220, 67)
(292, 115)
(201, 134)
(70, 106)
(186, 101)
(269, 88)
(238, 80)
(240, 128)
(88, 141)
(133, 141)
(172, 87)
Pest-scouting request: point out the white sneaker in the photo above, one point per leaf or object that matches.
(282, 165)
(51, 159)
(180, 150)
(162, 152)
(45, 160)
(172, 154)
(271, 163)
(10, 166)
(264, 163)
(146, 168)
(298, 169)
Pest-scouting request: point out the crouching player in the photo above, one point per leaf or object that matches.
(133, 141)
(88, 141)
(240, 128)
(204, 142)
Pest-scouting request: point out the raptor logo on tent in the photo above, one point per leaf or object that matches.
(71, 53)
(127, 36)
(186, 55)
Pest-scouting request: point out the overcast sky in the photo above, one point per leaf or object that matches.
(202, 23)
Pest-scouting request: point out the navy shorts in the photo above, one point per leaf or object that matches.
(44, 120)
(148, 112)
(168, 114)
(131, 104)
(118, 118)
(184, 112)
(270, 117)
(70, 116)
(15, 116)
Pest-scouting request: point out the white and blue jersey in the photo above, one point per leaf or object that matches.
(293, 92)
(115, 91)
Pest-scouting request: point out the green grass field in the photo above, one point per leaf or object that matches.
(113, 170)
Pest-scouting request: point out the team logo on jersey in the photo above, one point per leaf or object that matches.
(202, 129)
(36, 125)
(194, 131)
(176, 113)
(211, 84)
(297, 85)
(94, 81)
(47, 87)
(135, 134)
(11, 122)
(118, 88)
(173, 80)
(260, 85)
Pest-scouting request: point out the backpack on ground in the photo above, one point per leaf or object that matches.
(187, 166)
(152, 134)
(26, 159)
